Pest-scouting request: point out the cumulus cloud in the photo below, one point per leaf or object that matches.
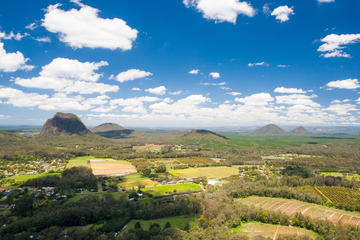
(214, 75)
(342, 109)
(334, 44)
(84, 28)
(57, 102)
(31, 26)
(175, 93)
(157, 91)
(297, 99)
(131, 75)
(136, 89)
(288, 90)
(256, 64)
(233, 93)
(194, 71)
(133, 105)
(325, 1)
(221, 11)
(43, 39)
(11, 62)
(214, 84)
(344, 84)
(12, 35)
(282, 13)
(258, 99)
(69, 76)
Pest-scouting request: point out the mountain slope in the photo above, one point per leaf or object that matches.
(64, 123)
(300, 131)
(269, 130)
(201, 134)
(106, 127)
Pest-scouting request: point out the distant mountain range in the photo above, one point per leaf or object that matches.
(274, 130)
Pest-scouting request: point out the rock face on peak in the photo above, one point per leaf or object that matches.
(270, 130)
(64, 123)
(106, 127)
(300, 131)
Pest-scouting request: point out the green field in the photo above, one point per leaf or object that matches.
(348, 176)
(79, 161)
(269, 231)
(136, 180)
(116, 196)
(20, 179)
(237, 140)
(179, 222)
(291, 207)
(172, 189)
(209, 172)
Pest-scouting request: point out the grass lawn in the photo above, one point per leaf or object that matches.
(269, 231)
(179, 222)
(209, 172)
(116, 196)
(79, 161)
(135, 180)
(20, 179)
(171, 189)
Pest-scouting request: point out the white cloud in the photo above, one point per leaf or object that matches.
(233, 93)
(18, 98)
(31, 26)
(221, 11)
(84, 28)
(136, 89)
(297, 99)
(256, 64)
(194, 71)
(11, 62)
(43, 39)
(131, 75)
(344, 84)
(334, 44)
(325, 1)
(69, 76)
(157, 91)
(214, 84)
(133, 105)
(342, 109)
(175, 93)
(282, 13)
(282, 66)
(258, 99)
(214, 75)
(225, 88)
(11, 35)
(288, 90)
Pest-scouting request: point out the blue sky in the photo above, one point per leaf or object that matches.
(189, 63)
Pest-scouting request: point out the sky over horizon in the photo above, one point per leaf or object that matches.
(181, 63)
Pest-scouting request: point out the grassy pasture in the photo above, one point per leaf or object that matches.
(20, 179)
(291, 207)
(79, 161)
(269, 231)
(172, 189)
(209, 172)
(135, 180)
(179, 222)
(348, 176)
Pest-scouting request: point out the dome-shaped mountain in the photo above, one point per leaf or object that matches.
(64, 123)
(269, 130)
(300, 131)
(202, 134)
(106, 127)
